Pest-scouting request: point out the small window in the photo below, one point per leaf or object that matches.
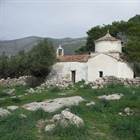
(100, 73)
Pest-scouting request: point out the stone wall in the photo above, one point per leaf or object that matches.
(24, 80)
(64, 82)
(102, 82)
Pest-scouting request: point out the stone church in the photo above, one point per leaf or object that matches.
(105, 61)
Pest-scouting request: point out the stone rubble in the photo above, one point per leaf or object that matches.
(23, 80)
(12, 107)
(127, 112)
(54, 104)
(91, 103)
(66, 118)
(111, 97)
(9, 91)
(4, 112)
(102, 82)
(49, 128)
(62, 82)
(31, 90)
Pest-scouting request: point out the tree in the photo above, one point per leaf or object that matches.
(13, 67)
(3, 66)
(120, 30)
(132, 49)
(40, 59)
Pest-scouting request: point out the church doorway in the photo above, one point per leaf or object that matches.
(100, 73)
(73, 73)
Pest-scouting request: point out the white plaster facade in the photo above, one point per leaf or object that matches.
(64, 69)
(105, 61)
(112, 46)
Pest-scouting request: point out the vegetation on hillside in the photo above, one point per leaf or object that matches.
(127, 31)
(36, 62)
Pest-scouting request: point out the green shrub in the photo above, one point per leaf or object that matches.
(55, 89)
(104, 103)
(115, 85)
(86, 86)
(16, 100)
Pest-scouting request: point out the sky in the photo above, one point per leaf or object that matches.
(60, 18)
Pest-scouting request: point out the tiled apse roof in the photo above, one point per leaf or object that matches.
(74, 58)
(107, 37)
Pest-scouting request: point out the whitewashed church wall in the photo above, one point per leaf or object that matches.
(64, 69)
(108, 46)
(125, 70)
(102, 64)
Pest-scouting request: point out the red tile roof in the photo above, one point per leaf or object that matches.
(107, 37)
(73, 58)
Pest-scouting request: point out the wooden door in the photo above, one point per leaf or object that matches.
(73, 76)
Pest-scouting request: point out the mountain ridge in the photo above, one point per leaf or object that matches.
(12, 47)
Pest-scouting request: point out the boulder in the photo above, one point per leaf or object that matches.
(111, 97)
(31, 90)
(128, 111)
(66, 118)
(91, 103)
(54, 104)
(4, 112)
(9, 91)
(49, 128)
(12, 107)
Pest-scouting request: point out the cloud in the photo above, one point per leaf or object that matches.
(58, 18)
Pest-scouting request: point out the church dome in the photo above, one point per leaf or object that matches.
(108, 44)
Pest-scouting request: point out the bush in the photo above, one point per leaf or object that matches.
(104, 103)
(16, 100)
(86, 86)
(55, 89)
(115, 85)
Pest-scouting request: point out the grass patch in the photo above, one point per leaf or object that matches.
(115, 85)
(71, 132)
(102, 121)
(126, 127)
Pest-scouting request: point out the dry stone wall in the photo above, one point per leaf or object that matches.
(24, 80)
(64, 82)
(102, 82)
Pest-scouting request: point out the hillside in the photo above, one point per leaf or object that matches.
(12, 47)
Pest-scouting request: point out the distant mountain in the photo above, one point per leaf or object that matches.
(12, 47)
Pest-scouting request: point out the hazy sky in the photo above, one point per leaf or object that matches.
(60, 18)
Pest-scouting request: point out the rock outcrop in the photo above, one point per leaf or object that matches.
(66, 118)
(111, 97)
(54, 104)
